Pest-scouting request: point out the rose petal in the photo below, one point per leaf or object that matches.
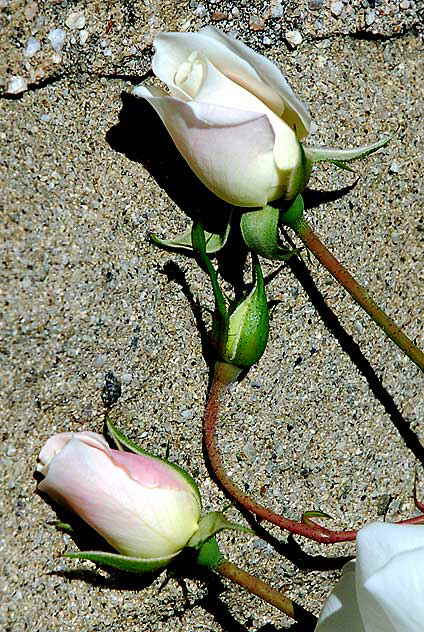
(238, 62)
(148, 471)
(390, 567)
(58, 441)
(135, 520)
(340, 612)
(393, 598)
(240, 169)
(217, 89)
(379, 542)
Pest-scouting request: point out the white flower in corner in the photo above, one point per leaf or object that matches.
(383, 590)
(232, 116)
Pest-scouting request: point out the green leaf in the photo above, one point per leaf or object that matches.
(122, 441)
(210, 524)
(340, 156)
(214, 242)
(122, 562)
(315, 514)
(62, 526)
(260, 233)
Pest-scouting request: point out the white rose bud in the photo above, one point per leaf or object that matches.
(232, 116)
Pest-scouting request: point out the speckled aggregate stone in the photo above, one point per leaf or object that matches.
(84, 293)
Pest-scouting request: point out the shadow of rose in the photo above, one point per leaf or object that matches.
(141, 136)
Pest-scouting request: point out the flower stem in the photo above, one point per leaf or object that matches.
(265, 592)
(308, 529)
(358, 293)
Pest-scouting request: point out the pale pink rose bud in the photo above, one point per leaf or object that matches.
(143, 506)
(231, 114)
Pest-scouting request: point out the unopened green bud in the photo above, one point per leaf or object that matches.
(246, 334)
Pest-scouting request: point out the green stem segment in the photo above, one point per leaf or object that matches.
(308, 528)
(265, 592)
(358, 293)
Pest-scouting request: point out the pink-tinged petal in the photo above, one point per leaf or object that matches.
(238, 62)
(340, 612)
(230, 151)
(392, 599)
(216, 89)
(137, 521)
(148, 471)
(58, 441)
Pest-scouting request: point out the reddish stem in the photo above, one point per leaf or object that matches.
(312, 531)
(357, 292)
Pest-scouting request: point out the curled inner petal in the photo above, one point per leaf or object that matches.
(189, 75)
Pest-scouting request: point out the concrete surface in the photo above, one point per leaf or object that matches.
(330, 419)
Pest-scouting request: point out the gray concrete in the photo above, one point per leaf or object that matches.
(84, 292)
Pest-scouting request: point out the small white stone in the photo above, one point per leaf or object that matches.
(267, 41)
(200, 11)
(45, 117)
(75, 20)
(31, 10)
(56, 58)
(57, 39)
(127, 378)
(294, 38)
(370, 18)
(336, 8)
(16, 85)
(277, 9)
(107, 52)
(394, 167)
(235, 12)
(404, 4)
(83, 36)
(32, 47)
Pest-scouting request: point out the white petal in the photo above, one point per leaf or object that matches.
(238, 62)
(270, 76)
(388, 574)
(230, 151)
(393, 599)
(340, 612)
(379, 542)
(217, 89)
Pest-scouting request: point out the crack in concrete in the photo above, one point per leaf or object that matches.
(135, 79)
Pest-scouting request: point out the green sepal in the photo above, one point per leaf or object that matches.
(214, 242)
(199, 244)
(342, 165)
(123, 562)
(294, 213)
(210, 524)
(247, 331)
(260, 233)
(209, 554)
(123, 442)
(340, 156)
